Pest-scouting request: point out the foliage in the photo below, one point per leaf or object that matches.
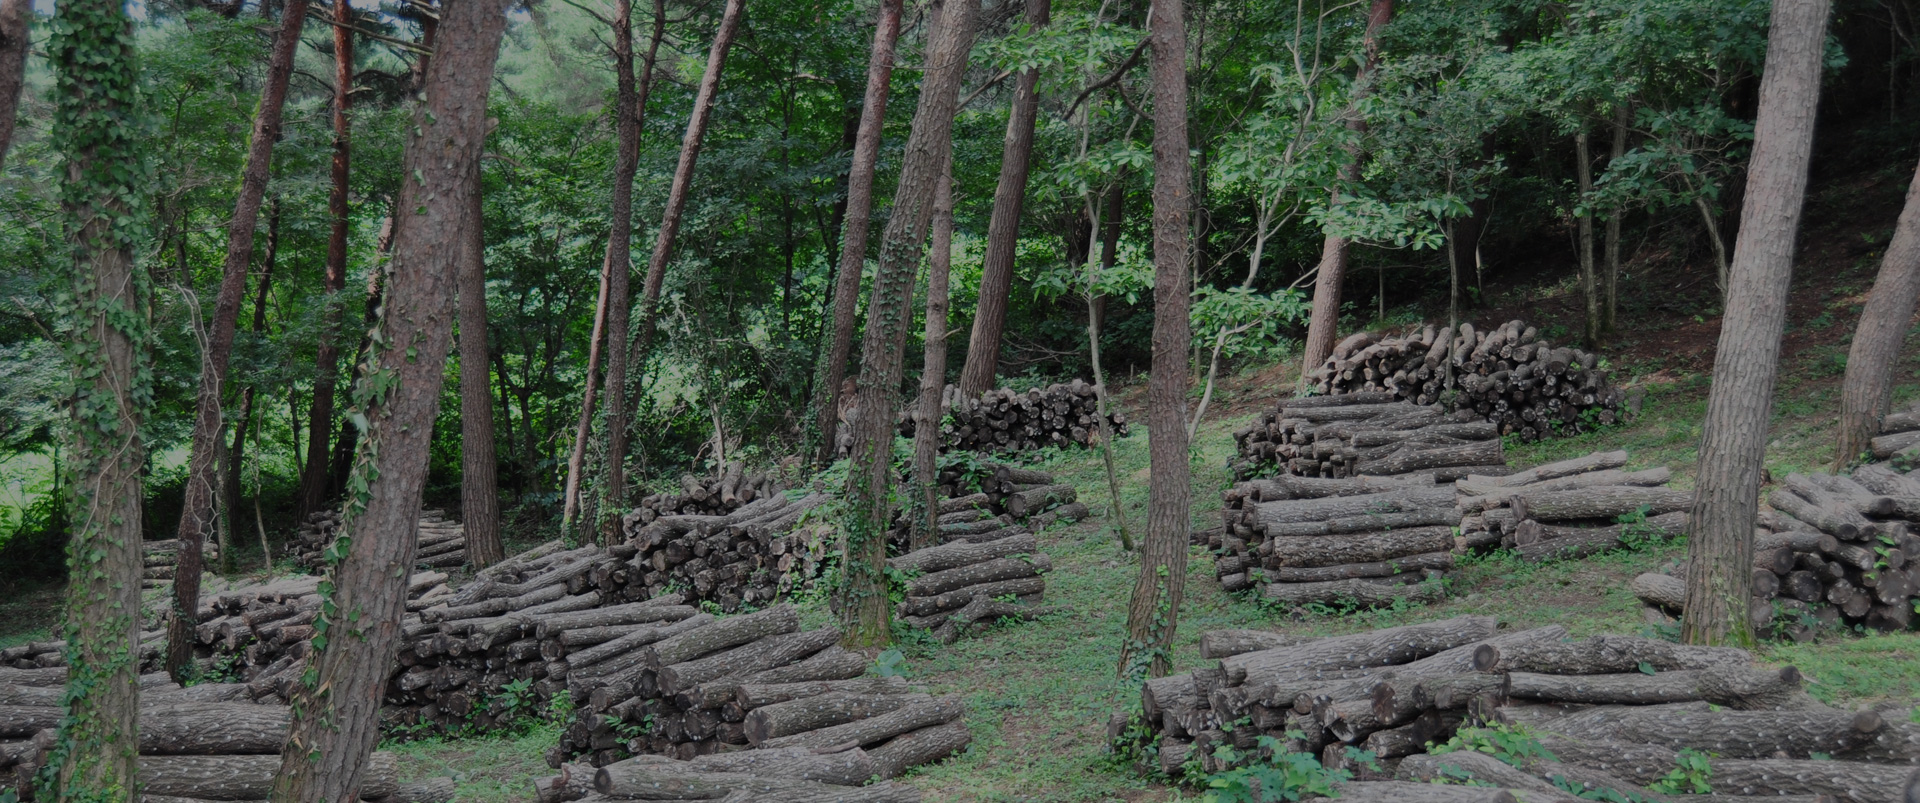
(1281, 775)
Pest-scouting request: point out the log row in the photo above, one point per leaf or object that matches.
(717, 495)
(1507, 376)
(1366, 434)
(981, 574)
(442, 544)
(158, 559)
(766, 549)
(706, 689)
(1000, 489)
(1572, 509)
(1612, 713)
(1004, 420)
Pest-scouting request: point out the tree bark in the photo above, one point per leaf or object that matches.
(1617, 147)
(479, 488)
(313, 478)
(337, 702)
(1324, 324)
(92, 55)
(823, 711)
(857, 222)
(863, 596)
(1877, 338)
(1003, 229)
(1154, 610)
(203, 464)
(1589, 283)
(236, 456)
(933, 368)
(16, 17)
(620, 263)
(619, 408)
(1733, 446)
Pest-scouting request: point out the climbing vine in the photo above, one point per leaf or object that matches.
(100, 126)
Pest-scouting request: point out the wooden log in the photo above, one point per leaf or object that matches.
(1305, 510)
(1409, 458)
(1360, 593)
(246, 777)
(845, 768)
(1731, 734)
(1373, 522)
(213, 729)
(1606, 503)
(872, 730)
(1338, 550)
(651, 778)
(1384, 647)
(956, 555)
(1215, 644)
(1386, 568)
(746, 659)
(991, 571)
(755, 695)
(923, 746)
(1479, 769)
(1659, 590)
(732, 631)
(629, 614)
(826, 710)
(1405, 792)
(832, 663)
(1026, 503)
(1064, 514)
(956, 599)
(1631, 688)
(632, 642)
(1605, 655)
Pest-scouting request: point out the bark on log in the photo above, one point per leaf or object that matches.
(1363, 593)
(1338, 507)
(832, 663)
(1660, 590)
(246, 777)
(1338, 550)
(956, 555)
(920, 747)
(1598, 461)
(1731, 734)
(1411, 458)
(657, 779)
(755, 695)
(845, 768)
(826, 710)
(954, 600)
(1605, 655)
(1403, 792)
(746, 659)
(1385, 647)
(1384, 568)
(1606, 503)
(991, 571)
(937, 711)
(1215, 644)
(732, 631)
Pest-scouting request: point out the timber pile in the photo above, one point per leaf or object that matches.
(704, 689)
(1572, 509)
(1508, 377)
(1899, 440)
(717, 495)
(757, 552)
(788, 775)
(1003, 420)
(191, 748)
(985, 570)
(442, 545)
(1833, 550)
(53, 654)
(160, 558)
(1607, 723)
(1366, 434)
(1019, 494)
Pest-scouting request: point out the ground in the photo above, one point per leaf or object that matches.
(1039, 694)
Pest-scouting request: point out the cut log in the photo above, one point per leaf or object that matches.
(1338, 550)
(851, 767)
(954, 600)
(245, 777)
(991, 571)
(1605, 655)
(747, 658)
(1215, 644)
(923, 746)
(1731, 734)
(956, 555)
(1385, 568)
(732, 631)
(1359, 593)
(1660, 590)
(826, 710)
(1385, 647)
(755, 695)
(872, 730)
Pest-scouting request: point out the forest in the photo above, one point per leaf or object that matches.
(873, 400)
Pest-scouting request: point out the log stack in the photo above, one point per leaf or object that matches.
(442, 544)
(982, 573)
(1832, 550)
(1572, 509)
(1021, 494)
(1004, 420)
(1612, 713)
(1366, 434)
(193, 746)
(760, 551)
(717, 495)
(1507, 376)
(790, 775)
(160, 558)
(707, 687)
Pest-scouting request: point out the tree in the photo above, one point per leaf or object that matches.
(14, 42)
(313, 478)
(236, 455)
(863, 603)
(618, 354)
(933, 370)
(616, 271)
(1003, 229)
(479, 492)
(1154, 610)
(1877, 338)
(1733, 442)
(107, 342)
(203, 464)
(1323, 327)
(336, 701)
(858, 222)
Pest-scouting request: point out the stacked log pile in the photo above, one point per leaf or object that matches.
(762, 550)
(1020, 494)
(1003, 420)
(1366, 434)
(53, 654)
(160, 558)
(983, 572)
(1506, 376)
(716, 495)
(1572, 509)
(1832, 550)
(789, 775)
(1612, 712)
(707, 687)
(442, 545)
(1899, 440)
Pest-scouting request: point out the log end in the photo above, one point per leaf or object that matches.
(1485, 658)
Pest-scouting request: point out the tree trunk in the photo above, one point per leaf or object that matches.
(863, 601)
(933, 369)
(1733, 446)
(203, 464)
(858, 220)
(631, 107)
(1879, 335)
(1622, 114)
(91, 54)
(1323, 327)
(1154, 610)
(1096, 314)
(16, 17)
(337, 704)
(479, 489)
(313, 478)
(619, 408)
(236, 456)
(1003, 229)
(1589, 284)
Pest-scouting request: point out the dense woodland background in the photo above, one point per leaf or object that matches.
(1478, 119)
